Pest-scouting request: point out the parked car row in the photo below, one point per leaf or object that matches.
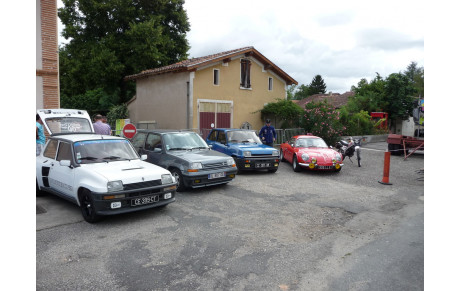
(107, 175)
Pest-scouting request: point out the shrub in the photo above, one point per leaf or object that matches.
(321, 119)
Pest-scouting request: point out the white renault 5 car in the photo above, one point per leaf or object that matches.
(102, 174)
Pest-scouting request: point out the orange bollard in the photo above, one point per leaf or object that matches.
(386, 170)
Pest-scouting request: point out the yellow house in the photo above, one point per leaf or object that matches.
(221, 90)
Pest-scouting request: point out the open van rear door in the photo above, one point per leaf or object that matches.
(66, 121)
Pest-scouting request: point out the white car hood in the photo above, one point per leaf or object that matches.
(128, 172)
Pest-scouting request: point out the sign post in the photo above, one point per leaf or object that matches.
(129, 131)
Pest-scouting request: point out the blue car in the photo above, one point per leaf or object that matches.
(246, 149)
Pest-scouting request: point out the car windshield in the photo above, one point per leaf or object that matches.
(183, 141)
(106, 150)
(311, 143)
(243, 136)
(68, 124)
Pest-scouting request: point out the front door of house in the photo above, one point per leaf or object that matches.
(214, 114)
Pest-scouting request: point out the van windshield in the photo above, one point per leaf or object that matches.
(68, 125)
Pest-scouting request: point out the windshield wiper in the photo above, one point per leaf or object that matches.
(114, 158)
(180, 149)
(200, 148)
(88, 158)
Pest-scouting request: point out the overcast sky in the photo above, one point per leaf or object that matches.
(343, 41)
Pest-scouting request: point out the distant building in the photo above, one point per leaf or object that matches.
(47, 57)
(221, 90)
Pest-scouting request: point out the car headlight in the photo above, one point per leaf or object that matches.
(305, 157)
(114, 186)
(247, 154)
(338, 157)
(196, 165)
(166, 179)
(275, 153)
(230, 162)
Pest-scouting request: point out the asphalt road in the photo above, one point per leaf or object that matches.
(262, 231)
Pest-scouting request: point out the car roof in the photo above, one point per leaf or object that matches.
(83, 136)
(234, 129)
(305, 136)
(163, 131)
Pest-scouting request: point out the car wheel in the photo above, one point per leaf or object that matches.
(179, 178)
(295, 164)
(282, 156)
(238, 171)
(88, 210)
(38, 191)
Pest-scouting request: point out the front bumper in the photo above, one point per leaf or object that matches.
(257, 163)
(315, 166)
(203, 178)
(154, 195)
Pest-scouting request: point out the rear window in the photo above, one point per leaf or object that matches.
(68, 125)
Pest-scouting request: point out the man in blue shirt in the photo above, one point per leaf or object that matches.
(40, 135)
(268, 133)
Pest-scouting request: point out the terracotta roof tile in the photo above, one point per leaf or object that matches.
(336, 99)
(193, 63)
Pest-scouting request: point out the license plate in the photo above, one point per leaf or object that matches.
(144, 200)
(216, 175)
(262, 165)
(324, 167)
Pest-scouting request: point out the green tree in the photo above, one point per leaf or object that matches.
(416, 77)
(317, 86)
(303, 91)
(399, 92)
(369, 96)
(110, 39)
(284, 110)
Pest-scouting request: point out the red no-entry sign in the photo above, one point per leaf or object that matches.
(129, 130)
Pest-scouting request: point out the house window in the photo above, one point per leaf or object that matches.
(216, 77)
(245, 74)
(270, 84)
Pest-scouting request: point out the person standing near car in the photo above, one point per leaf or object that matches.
(40, 135)
(101, 127)
(104, 120)
(268, 133)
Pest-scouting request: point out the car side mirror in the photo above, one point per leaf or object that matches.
(65, 163)
(143, 157)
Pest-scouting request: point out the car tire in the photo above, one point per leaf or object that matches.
(295, 164)
(38, 191)
(393, 149)
(282, 156)
(88, 210)
(238, 171)
(179, 178)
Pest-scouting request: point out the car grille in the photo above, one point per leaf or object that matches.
(262, 156)
(212, 166)
(140, 185)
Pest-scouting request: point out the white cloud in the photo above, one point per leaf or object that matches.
(343, 41)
